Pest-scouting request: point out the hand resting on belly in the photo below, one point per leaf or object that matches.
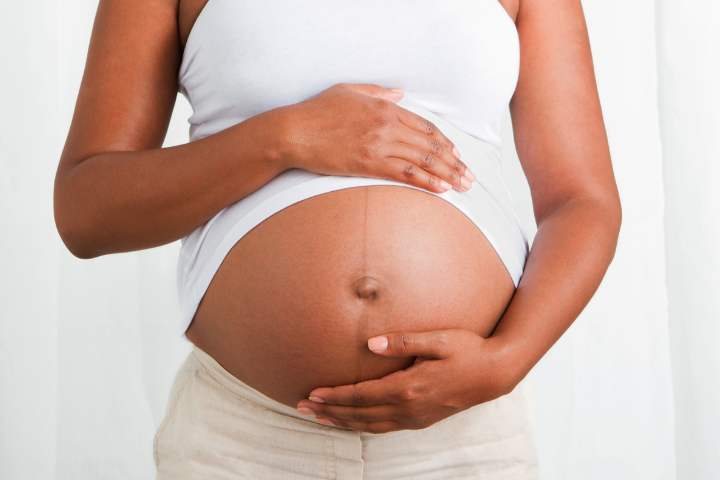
(295, 301)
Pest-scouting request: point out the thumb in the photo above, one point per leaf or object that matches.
(394, 95)
(435, 344)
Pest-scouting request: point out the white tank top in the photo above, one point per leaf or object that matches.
(456, 60)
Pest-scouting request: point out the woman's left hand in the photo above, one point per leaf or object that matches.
(454, 370)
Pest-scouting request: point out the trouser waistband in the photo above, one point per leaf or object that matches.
(233, 384)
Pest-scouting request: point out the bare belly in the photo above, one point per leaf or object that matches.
(295, 300)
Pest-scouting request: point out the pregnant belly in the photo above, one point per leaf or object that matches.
(295, 300)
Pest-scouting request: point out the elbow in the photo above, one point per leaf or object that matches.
(598, 211)
(75, 240)
(614, 215)
(606, 212)
(80, 251)
(72, 219)
(73, 230)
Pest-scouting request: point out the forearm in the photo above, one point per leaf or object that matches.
(130, 200)
(572, 250)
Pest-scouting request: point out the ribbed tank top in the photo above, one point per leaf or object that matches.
(456, 60)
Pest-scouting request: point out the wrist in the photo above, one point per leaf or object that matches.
(285, 147)
(509, 363)
(273, 131)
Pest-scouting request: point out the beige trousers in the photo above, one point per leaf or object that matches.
(217, 427)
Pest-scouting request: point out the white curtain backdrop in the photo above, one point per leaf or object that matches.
(87, 350)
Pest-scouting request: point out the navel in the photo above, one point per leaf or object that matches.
(367, 288)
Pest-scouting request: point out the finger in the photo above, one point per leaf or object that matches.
(363, 394)
(437, 148)
(436, 344)
(375, 413)
(372, 427)
(434, 159)
(401, 170)
(393, 95)
(426, 127)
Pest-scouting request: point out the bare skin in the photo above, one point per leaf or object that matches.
(562, 145)
(296, 299)
(294, 302)
(117, 190)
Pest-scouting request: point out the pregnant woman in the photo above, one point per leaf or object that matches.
(357, 287)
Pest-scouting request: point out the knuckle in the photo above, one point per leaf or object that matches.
(431, 182)
(365, 152)
(357, 399)
(443, 340)
(384, 105)
(411, 414)
(358, 417)
(381, 121)
(370, 151)
(413, 422)
(382, 117)
(374, 137)
(403, 342)
(409, 171)
(419, 419)
(428, 127)
(409, 395)
(427, 160)
(435, 146)
(372, 428)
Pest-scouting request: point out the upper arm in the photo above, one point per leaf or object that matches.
(129, 85)
(557, 120)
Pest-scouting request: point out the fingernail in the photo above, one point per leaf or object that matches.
(470, 175)
(305, 411)
(316, 399)
(378, 344)
(444, 185)
(325, 421)
(456, 152)
(396, 90)
(465, 184)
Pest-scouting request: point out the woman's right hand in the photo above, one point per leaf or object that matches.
(357, 130)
